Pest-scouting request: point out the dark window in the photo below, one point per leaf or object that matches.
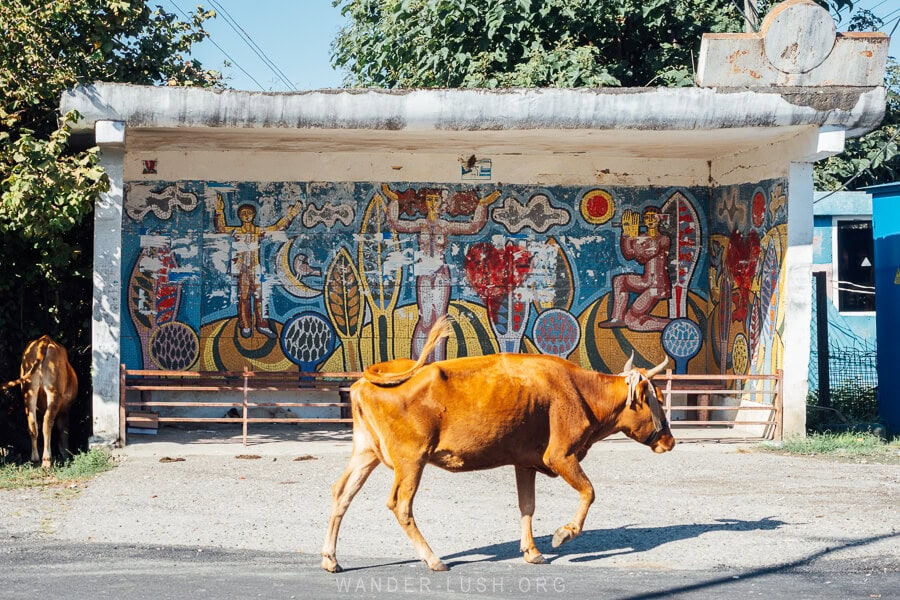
(855, 266)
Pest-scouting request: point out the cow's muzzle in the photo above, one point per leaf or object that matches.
(660, 440)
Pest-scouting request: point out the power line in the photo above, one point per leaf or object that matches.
(754, 24)
(222, 50)
(253, 45)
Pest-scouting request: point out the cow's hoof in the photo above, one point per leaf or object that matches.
(563, 534)
(438, 566)
(534, 557)
(331, 565)
(46, 464)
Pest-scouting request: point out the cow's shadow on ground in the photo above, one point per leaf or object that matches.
(597, 544)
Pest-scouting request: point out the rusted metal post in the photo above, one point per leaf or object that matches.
(822, 340)
(779, 406)
(669, 395)
(122, 413)
(245, 407)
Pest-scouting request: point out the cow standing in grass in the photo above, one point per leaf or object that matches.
(537, 413)
(49, 385)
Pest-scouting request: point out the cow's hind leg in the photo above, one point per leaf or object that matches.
(31, 408)
(570, 470)
(62, 434)
(362, 462)
(49, 420)
(407, 475)
(525, 487)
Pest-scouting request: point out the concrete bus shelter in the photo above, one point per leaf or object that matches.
(326, 230)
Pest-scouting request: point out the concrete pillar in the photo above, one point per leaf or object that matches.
(797, 270)
(797, 289)
(110, 137)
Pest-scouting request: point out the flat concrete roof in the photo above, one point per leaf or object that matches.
(641, 122)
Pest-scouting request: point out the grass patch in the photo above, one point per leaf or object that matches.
(852, 446)
(80, 467)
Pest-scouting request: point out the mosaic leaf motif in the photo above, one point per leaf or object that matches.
(554, 283)
(688, 241)
(140, 289)
(152, 300)
(754, 329)
(380, 286)
(768, 285)
(343, 299)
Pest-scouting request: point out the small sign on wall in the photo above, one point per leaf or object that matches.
(149, 167)
(475, 169)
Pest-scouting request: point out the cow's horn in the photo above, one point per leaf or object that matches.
(629, 363)
(658, 368)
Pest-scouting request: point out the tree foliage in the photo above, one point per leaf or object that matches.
(576, 43)
(526, 43)
(47, 186)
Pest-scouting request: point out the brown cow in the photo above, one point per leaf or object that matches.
(538, 413)
(49, 385)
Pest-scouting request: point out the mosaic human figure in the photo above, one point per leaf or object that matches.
(433, 281)
(651, 250)
(245, 263)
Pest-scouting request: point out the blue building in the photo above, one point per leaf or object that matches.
(886, 234)
(842, 249)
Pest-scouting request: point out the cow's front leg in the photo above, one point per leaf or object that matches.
(407, 475)
(570, 470)
(525, 487)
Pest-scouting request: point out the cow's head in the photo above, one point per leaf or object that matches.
(643, 418)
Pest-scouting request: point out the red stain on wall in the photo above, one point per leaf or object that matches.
(742, 258)
(493, 272)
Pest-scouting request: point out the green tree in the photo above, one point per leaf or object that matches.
(872, 158)
(530, 43)
(576, 43)
(525, 43)
(48, 184)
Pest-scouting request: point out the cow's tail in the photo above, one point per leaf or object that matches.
(380, 374)
(44, 344)
(11, 384)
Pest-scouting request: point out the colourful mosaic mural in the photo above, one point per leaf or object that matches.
(335, 276)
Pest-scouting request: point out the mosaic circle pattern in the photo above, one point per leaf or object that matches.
(682, 339)
(174, 346)
(307, 339)
(556, 332)
(597, 207)
(740, 354)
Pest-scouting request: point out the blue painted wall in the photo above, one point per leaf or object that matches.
(886, 230)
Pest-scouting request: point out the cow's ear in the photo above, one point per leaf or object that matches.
(642, 391)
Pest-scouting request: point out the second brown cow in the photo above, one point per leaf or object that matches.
(537, 413)
(49, 385)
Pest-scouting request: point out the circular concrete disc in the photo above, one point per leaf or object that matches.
(799, 37)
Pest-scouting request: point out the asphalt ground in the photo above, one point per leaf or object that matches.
(707, 511)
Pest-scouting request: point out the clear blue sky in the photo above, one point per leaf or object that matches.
(296, 36)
